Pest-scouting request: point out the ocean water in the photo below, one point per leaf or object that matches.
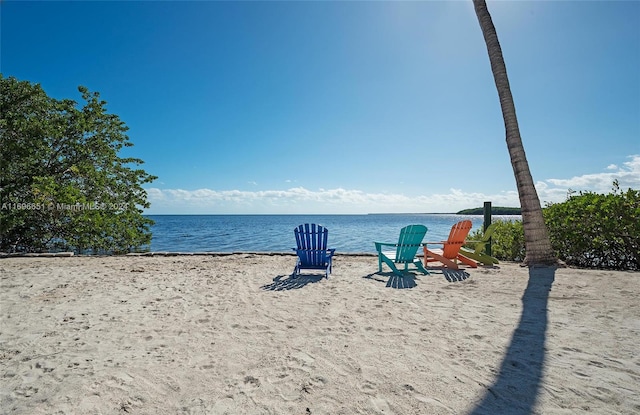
(274, 233)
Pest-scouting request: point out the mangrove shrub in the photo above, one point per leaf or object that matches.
(63, 184)
(587, 230)
(507, 242)
(597, 230)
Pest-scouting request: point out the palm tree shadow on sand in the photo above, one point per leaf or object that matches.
(517, 386)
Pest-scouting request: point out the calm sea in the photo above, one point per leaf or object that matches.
(274, 233)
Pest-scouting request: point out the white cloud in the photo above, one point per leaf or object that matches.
(628, 176)
(302, 200)
(339, 200)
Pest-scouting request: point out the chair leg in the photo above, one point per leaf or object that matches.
(467, 261)
(421, 268)
(430, 256)
(396, 270)
(391, 265)
(446, 262)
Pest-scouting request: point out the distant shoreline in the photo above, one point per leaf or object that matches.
(495, 210)
(333, 214)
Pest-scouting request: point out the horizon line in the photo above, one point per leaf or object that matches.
(319, 214)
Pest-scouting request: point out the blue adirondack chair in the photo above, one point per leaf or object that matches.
(405, 250)
(312, 249)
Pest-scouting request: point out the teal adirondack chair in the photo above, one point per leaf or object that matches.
(312, 251)
(408, 243)
(477, 253)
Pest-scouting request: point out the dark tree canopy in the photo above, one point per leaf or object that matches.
(495, 210)
(62, 183)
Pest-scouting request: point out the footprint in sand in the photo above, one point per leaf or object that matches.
(368, 388)
(434, 402)
(251, 381)
(26, 392)
(380, 405)
(303, 357)
(602, 394)
(581, 375)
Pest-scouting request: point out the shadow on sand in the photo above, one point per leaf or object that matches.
(455, 275)
(405, 281)
(280, 283)
(517, 386)
(408, 280)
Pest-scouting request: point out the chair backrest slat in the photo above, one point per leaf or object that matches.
(311, 240)
(409, 241)
(458, 234)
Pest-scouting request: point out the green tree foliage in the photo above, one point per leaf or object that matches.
(495, 210)
(597, 230)
(507, 242)
(588, 230)
(62, 183)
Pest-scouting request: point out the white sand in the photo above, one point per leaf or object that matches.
(217, 335)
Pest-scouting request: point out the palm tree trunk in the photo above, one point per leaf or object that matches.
(537, 243)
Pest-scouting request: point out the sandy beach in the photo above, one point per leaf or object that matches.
(234, 334)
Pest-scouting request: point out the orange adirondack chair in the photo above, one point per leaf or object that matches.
(449, 255)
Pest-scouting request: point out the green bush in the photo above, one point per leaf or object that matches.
(507, 242)
(63, 182)
(597, 231)
(588, 230)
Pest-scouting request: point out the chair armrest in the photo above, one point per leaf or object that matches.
(425, 247)
(379, 245)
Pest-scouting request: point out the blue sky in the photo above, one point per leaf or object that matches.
(345, 107)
